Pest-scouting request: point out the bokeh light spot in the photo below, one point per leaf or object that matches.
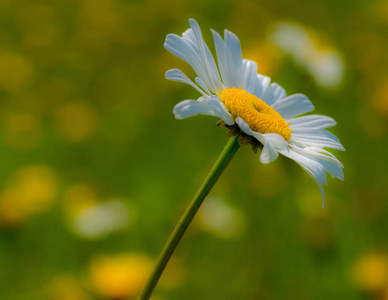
(121, 276)
(370, 272)
(76, 121)
(30, 190)
(16, 72)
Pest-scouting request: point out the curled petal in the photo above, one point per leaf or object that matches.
(205, 106)
(178, 75)
(190, 108)
(271, 141)
(220, 109)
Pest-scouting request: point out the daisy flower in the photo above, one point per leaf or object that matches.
(232, 90)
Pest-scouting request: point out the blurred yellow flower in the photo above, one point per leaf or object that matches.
(76, 121)
(66, 287)
(370, 272)
(15, 71)
(120, 276)
(30, 190)
(267, 54)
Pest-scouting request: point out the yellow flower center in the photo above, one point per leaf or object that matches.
(255, 112)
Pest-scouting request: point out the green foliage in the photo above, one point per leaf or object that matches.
(88, 135)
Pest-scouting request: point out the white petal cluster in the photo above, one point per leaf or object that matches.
(308, 136)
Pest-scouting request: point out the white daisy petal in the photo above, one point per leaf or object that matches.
(316, 140)
(316, 143)
(257, 88)
(312, 167)
(334, 170)
(278, 141)
(220, 110)
(207, 58)
(179, 47)
(200, 82)
(189, 37)
(310, 163)
(312, 121)
(322, 153)
(233, 59)
(190, 108)
(244, 126)
(203, 98)
(209, 106)
(293, 106)
(269, 153)
(273, 94)
(318, 132)
(221, 58)
(178, 75)
(261, 84)
(246, 129)
(330, 164)
(249, 76)
(182, 49)
(271, 142)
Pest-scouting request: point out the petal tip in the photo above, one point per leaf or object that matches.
(193, 23)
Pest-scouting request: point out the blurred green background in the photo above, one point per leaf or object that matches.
(95, 171)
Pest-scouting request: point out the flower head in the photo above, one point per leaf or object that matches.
(233, 91)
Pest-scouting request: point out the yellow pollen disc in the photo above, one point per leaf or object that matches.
(255, 112)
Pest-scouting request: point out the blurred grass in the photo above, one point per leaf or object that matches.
(86, 120)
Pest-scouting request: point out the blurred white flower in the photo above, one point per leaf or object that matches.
(221, 219)
(102, 219)
(324, 65)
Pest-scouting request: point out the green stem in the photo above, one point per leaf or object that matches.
(223, 160)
